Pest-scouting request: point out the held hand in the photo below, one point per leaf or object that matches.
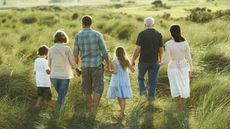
(133, 63)
(78, 71)
(190, 73)
(132, 69)
(106, 68)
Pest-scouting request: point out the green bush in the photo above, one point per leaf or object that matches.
(29, 20)
(48, 21)
(200, 15)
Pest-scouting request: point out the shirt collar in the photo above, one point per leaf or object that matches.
(87, 29)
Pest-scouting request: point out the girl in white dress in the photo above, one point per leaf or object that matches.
(179, 62)
(120, 84)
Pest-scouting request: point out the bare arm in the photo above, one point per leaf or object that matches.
(189, 58)
(161, 54)
(136, 54)
(107, 67)
(131, 68)
(114, 69)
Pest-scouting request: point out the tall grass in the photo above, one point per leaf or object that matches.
(23, 31)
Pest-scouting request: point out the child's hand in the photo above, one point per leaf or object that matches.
(132, 69)
(78, 71)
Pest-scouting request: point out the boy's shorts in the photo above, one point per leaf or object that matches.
(45, 93)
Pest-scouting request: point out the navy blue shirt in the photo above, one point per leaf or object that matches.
(150, 41)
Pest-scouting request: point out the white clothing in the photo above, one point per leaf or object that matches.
(40, 67)
(177, 54)
(179, 62)
(61, 61)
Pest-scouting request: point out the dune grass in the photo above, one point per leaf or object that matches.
(23, 31)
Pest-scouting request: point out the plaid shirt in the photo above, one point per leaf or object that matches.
(89, 44)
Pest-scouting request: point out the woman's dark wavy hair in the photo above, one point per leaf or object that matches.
(176, 33)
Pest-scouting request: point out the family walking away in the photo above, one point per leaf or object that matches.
(57, 64)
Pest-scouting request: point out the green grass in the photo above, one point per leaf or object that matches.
(23, 31)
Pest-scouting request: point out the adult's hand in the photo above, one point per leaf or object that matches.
(190, 73)
(78, 71)
(133, 63)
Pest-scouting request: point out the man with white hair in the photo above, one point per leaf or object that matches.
(150, 49)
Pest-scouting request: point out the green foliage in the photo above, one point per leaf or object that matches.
(75, 16)
(202, 15)
(22, 35)
(29, 20)
(13, 115)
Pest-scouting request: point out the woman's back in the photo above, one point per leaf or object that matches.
(176, 53)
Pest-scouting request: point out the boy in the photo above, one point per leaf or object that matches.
(42, 72)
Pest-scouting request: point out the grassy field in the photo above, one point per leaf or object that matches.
(24, 30)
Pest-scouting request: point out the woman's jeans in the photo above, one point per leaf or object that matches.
(152, 69)
(61, 86)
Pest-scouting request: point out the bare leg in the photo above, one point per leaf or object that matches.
(89, 102)
(180, 103)
(122, 104)
(38, 101)
(96, 100)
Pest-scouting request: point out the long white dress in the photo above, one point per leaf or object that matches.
(179, 62)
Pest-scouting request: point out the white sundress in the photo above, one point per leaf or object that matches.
(179, 63)
(119, 86)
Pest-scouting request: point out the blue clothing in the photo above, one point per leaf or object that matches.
(120, 83)
(152, 69)
(90, 45)
(61, 86)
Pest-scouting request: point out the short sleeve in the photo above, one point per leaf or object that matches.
(46, 65)
(35, 66)
(139, 40)
(161, 40)
(76, 46)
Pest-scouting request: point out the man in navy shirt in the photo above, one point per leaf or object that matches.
(149, 49)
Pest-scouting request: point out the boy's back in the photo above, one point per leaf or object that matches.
(40, 67)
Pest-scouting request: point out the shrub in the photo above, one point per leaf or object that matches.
(46, 8)
(25, 37)
(29, 20)
(200, 15)
(157, 3)
(118, 5)
(12, 114)
(166, 16)
(75, 16)
(216, 61)
(49, 21)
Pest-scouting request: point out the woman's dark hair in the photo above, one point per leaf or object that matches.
(60, 37)
(87, 20)
(176, 33)
(43, 50)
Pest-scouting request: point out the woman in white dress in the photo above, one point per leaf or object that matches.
(179, 62)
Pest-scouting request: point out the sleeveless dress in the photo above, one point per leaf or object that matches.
(119, 84)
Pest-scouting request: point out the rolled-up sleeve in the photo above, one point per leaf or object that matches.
(102, 46)
(76, 47)
(49, 58)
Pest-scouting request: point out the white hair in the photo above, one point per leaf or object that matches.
(149, 21)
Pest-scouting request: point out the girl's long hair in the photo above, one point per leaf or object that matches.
(176, 33)
(122, 58)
